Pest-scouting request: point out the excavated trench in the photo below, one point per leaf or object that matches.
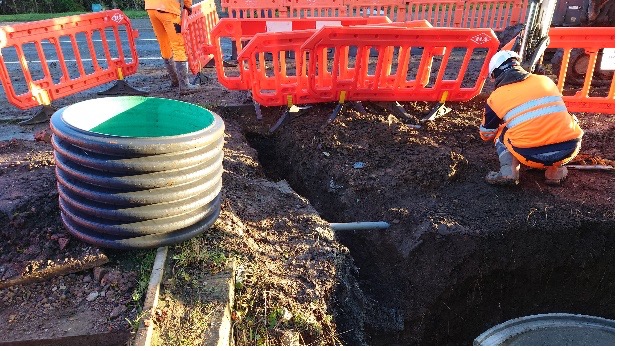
(429, 284)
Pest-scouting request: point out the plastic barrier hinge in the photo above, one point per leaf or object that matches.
(343, 95)
(444, 97)
(40, 95)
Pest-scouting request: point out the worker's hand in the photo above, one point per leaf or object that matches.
(189, 10)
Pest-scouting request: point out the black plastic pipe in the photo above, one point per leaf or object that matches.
(137, 172)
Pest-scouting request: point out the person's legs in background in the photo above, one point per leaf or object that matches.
(172, 26)
(164, 46)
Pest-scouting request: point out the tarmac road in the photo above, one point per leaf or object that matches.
(146, 46)
(148, 56)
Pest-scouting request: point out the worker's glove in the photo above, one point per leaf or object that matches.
(189, 10)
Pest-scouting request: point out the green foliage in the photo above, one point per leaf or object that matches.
(144, 274)
(11, 7)
(194, 253)
(29, 17)
(66, 6)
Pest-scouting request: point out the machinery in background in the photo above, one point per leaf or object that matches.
(582, 13)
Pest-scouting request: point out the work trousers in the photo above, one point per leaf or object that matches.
(167, 28)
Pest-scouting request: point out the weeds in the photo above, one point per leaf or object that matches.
(195, 253)
(144, 274)
(263, 318)
(135, 323)
(185, 326)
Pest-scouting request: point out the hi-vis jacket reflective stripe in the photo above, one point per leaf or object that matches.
(532, 112)
(171, 6)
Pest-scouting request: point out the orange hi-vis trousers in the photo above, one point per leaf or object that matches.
(167, 28)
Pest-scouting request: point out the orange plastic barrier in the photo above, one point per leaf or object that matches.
(440, 13)
(196, 29)
(495, 14)
(400, 73)
(316, 8)
(592, 40)
(238, 31)
(390, 8)
(254, 8)
(48, 75)
(280, 84)
(286, 81)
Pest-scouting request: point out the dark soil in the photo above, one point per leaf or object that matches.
(459, 256)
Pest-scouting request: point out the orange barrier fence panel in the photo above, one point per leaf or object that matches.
(316, 8)
(236, 32)
(522, 18)
(440, 13)
(494, 14)
(390, 8)
(196, 29)
(412, 64)
(254, 8)
(62, 56)
(285, 81)
(586, 48)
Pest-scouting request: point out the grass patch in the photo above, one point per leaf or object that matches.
(180, 324)
(197, 253)
(29, 17)
(144, 269)
(189, 299)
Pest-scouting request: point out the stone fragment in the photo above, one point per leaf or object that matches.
(92, 296)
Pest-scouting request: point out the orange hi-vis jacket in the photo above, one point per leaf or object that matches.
(530, 118)
(170, 6)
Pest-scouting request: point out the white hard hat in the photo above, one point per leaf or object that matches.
(501, 57)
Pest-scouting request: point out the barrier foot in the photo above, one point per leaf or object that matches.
(225, 63)
(357, 105)
(286, 115)
(200, 78)
(259, 114)
(210, 64)
(293, 111)
(394, 108)
(122, 88)
(439, 110)
(335, 113)
(399, 111)
(42, 116)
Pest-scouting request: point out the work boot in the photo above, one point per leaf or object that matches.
(185, 86)
(508, 168)
(172, 72)
(555, 175)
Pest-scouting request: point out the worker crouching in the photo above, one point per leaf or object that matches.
(165, 16)
(528, 120)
